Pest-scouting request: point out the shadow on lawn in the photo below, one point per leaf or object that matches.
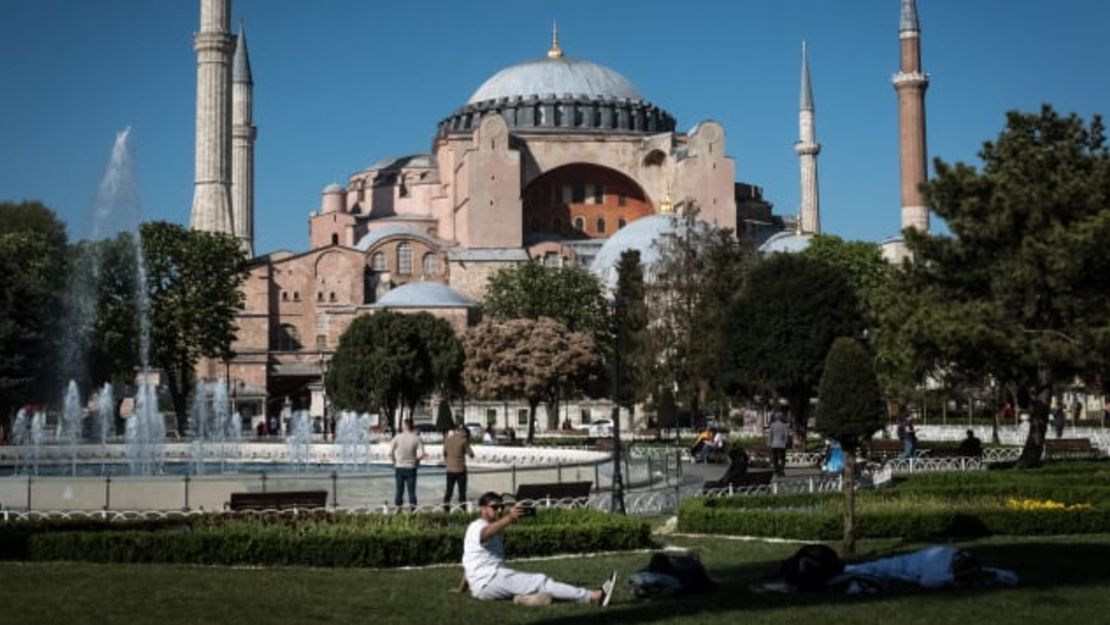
(1039, 565)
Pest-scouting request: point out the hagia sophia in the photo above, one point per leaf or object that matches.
(554, 160)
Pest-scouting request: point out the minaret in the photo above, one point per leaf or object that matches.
(910, 83)
(243, 133)
(807, 149)
(213, 45)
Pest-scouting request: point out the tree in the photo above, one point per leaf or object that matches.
(570, 295)
(884, 306)
(445, 421)
(783, 324)
(1020, 289)
(115, 348)
(193, 281)
(33, 266)
(630, 321)
(700, 271)
(525, 358)
(850, 411)
(444, 351)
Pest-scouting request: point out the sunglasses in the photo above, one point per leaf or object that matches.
(494, 506)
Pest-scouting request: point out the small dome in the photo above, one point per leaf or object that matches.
(786, 242)
(559, 76)
(424, 295)
(644, 235)
(334, 188)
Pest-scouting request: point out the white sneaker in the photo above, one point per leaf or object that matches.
(534, 599)
(608, 588)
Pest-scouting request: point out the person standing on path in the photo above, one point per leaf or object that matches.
(456, 448)
(778, 438)
(406, 451)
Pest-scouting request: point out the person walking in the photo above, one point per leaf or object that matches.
(406, 450)
(778, 437)
(487, 576)
(456, 449)
(908, 436)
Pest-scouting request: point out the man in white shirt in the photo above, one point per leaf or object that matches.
(778, 437)
(487, 576)
(406, 450)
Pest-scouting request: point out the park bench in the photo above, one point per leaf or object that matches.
(752, 478)
(279, 500)
(1057, 448)
(545, 494)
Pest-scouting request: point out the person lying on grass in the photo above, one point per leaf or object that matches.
(487, 576)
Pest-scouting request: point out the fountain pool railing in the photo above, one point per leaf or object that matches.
(498, 469)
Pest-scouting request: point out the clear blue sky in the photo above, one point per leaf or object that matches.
(342, 83)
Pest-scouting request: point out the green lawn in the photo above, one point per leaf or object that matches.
(1064, 580)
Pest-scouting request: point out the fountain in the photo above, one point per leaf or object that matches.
(105, 413)
(300, 436)
(73, 416)
(199, 418)
(21, 436)
(352, 435)
(38, 430)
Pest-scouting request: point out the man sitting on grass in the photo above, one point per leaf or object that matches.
(487, 576)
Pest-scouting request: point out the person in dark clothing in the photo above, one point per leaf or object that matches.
(1058, 419)
(737, 468)
(971, 447)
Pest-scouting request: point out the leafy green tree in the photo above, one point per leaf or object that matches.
(850, 411)
(570, 295)
(444, 351)
(525, 358)
(783, 324)
(379, 365)
(193, 283)
(699, 272)
(115, 348)
(1020, 290)
(33, 266)
(884, 307)
(630, 322)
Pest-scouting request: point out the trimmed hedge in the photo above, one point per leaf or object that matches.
(321, 539)
(920, 507)
(827, 523)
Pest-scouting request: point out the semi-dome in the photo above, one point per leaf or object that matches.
(786, 242)
(645, 235)
(426, 161)
(424, 295)
(556, 76)
(372, 238)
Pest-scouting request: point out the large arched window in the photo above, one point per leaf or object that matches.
(579, 224)
(404, 258)
(600, 225)
(377, 261)
(431, 266)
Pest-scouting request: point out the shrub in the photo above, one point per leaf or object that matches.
(317, 539)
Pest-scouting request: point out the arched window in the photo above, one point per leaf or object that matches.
(404, 258)
(431, 265)
(334, 239)
(600, 225)
(621, 223)
(377, 261)
(579, 223)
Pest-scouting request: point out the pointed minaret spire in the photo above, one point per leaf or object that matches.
(909, 17)
(910, 83)
(806, 100)
(555, 52)
(243, 133)
(241, 62)
(807, 149)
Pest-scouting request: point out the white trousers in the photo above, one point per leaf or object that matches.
(509, 583)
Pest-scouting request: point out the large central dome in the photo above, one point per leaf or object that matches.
(558, 76)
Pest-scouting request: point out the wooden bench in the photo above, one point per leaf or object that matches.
(545, 494)
(279, 500)
(751, 478)
(1069, 448)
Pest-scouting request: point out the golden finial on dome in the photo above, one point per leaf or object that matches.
(555, 52)
(665, 205)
